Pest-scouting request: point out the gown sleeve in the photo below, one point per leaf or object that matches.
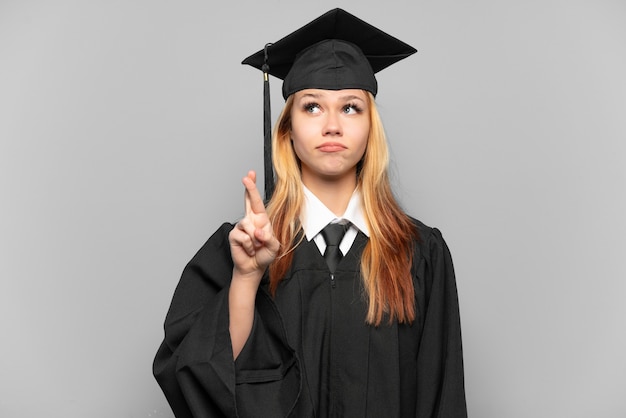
(440, 378)
(194, 364)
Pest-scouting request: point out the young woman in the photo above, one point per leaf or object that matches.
(330, 301)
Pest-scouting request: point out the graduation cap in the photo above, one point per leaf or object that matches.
(333, 52)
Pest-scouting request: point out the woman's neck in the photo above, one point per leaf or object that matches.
(334, 193)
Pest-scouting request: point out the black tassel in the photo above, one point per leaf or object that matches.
(267, 131)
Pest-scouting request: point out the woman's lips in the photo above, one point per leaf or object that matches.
(331, 147)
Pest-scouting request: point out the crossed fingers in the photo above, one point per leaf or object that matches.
(253, 201)
(255, 223)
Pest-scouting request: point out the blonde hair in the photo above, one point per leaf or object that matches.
(388, 255)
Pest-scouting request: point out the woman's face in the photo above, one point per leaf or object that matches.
(329, 131)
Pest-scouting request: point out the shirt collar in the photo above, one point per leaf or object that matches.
(315, 215)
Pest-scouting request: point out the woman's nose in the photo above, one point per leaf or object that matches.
(332, 126)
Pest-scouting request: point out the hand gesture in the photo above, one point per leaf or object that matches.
(252, 242)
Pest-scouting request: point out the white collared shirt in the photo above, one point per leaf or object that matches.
(315, 216)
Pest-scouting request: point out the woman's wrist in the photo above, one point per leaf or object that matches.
(243, 288)
(241, 302)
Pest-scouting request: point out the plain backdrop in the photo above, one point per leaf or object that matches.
(126, 127)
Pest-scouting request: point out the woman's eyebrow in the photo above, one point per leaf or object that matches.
(313, 95)
(351, 97)
(346, 98)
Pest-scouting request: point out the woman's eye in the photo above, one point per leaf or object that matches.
(312, 108)
(351, 109)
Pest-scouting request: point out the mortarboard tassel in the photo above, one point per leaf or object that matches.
(267, 130)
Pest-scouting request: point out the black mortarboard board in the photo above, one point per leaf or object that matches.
(333, 52)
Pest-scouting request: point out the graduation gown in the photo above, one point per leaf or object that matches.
(310, 353)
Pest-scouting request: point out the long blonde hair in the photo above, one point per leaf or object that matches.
(388, 255)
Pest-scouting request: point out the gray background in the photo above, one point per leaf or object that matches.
(126, 126)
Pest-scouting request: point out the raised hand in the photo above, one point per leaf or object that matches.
(252, 241)
(253, 247)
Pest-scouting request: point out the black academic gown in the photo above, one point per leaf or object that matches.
(310, 353)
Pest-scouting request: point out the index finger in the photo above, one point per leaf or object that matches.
(253, 200)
